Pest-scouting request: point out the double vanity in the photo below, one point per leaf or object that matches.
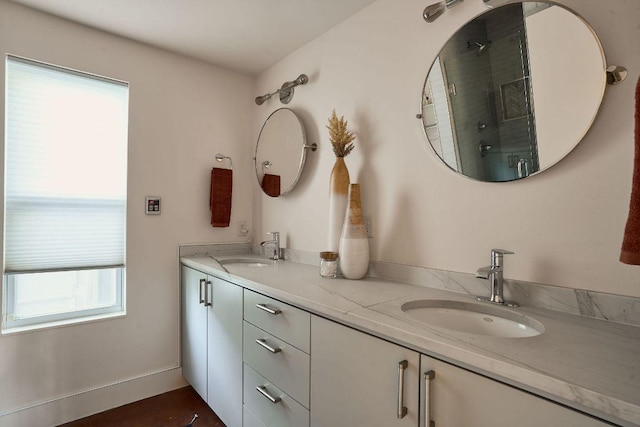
(271, 343)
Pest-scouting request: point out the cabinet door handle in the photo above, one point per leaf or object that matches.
(200, 286)
(428, 377)
(207, 301)
(263, 391)
(269, 310)
(402, 410)
(264, 344)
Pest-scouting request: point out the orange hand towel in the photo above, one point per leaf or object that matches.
(271, 184)
(631, 242)
(220, 197)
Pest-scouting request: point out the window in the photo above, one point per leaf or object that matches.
(65, 194)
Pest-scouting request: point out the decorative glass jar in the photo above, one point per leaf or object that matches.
(329, 264)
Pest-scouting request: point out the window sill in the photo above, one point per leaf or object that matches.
(61, 323)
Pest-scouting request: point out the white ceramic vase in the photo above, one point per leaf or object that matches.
(354, 245)
(338, 191)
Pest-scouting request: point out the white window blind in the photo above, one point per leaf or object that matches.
(65, 169)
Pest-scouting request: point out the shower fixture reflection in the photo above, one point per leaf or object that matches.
(480, 47)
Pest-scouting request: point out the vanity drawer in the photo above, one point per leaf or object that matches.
(282, 320)
(284, 412)
(249, 418)
(283, 364)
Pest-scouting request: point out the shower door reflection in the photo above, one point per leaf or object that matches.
(486, 88)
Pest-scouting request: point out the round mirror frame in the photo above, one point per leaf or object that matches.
(303, 145)
(579, 135)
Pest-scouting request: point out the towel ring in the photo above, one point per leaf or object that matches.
(266, 165)
(221, 157)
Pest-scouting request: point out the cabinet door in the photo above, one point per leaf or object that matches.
(462, 398)
(194, 330)
(355, 378)
(225, 351)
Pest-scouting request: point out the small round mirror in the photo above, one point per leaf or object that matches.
(280, 153)
(513, 91)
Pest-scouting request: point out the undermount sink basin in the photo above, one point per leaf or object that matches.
(479, 319)
(247, 261)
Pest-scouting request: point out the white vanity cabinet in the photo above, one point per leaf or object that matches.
(193, 330)
(259, 362)
(212, 342)
(355, 381)
(461, 398)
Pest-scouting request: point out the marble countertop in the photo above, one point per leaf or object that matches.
(589, 364)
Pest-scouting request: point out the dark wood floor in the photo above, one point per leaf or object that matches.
(173, 409)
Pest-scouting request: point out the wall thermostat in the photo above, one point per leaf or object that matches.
(152, 205)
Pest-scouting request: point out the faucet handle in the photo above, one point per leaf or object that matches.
(501, 252)
(496, 256)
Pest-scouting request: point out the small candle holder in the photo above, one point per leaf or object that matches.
(329, 264)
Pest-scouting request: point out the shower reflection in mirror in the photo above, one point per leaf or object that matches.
(484, 82)
(478, 109)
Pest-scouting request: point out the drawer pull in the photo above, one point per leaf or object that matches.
(263, 391)
(269, 310)
(207, 301)
(428, 377)
(264, 344)
(200, 285)
(402, 410)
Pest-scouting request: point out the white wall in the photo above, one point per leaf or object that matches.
(182, 112)
(565, 225)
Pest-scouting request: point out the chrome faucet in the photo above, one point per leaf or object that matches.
(493, 272)
(277, 250)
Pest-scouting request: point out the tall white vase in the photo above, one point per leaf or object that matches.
(354, 244)
(338, 191)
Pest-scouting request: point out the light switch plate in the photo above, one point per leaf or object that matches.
(152, 205)
(242, 228)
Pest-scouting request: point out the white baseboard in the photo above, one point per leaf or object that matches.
(82, 404)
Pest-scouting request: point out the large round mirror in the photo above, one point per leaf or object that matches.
(280, 152)
(513, 91)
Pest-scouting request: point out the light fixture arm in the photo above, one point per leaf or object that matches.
(433, 11)
(285, 91)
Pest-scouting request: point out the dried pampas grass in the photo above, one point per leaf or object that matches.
(341, 138)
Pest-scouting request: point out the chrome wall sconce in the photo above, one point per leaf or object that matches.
(285, 91)
(433, 11)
